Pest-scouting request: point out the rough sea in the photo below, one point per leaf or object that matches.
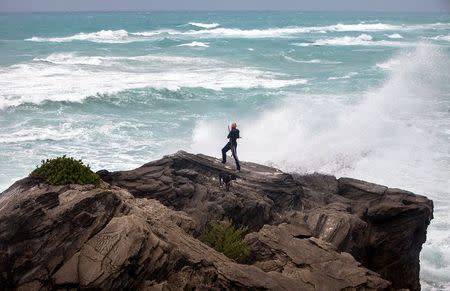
(365, 95)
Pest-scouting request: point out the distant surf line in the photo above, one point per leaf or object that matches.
(213, 30)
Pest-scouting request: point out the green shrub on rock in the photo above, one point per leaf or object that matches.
(65, 170)
(228, 240)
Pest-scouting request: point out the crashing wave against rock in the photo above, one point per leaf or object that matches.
(139, 230)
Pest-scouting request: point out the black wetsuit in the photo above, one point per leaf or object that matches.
(233, 135)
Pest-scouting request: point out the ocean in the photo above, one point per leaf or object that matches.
(365, 95)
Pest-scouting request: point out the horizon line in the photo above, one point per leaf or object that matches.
(223, 10)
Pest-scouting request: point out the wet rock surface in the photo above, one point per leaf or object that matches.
(139, 231)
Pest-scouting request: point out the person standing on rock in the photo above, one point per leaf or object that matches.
(233, 135)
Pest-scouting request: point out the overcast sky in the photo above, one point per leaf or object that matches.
(210, 5)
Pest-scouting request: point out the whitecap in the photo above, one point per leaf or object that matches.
(204, 25)
(348, 76)
(195, 44)
(149, 34)
(361, 40)
(312, 61)
(394, 36)
(102, 36)
(362, 27)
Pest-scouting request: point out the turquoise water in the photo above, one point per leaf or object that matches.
(365, 95)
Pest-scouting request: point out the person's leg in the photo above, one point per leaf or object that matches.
(234, 150)
(225, 149)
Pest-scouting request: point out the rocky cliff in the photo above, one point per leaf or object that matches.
(139, 230)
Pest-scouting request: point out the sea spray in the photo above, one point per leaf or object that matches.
(375, 134)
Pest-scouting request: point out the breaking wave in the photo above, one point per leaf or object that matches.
(102, 36)
(195, 44)
(204, 25)
(394, 36)
(362, 40)
(213, 31)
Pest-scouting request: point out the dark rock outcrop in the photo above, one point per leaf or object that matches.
(191, 183)
(383, 228)
(140, 229)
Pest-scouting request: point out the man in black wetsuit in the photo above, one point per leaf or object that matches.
(233, 135)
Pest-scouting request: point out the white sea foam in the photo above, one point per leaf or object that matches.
(195, 44)
(63, 79)
(361, 40)
(394, 36)
(313, 61)
(122, 36)
(204, 25)
(102, 36)
(440, 37)
(348, 76)
(213, 31)
(175, 60)
(293, 30)
(373, 27)
(245, 33)
(285, 31)
(160, 32)
(40, 134)
(361, 27)
(71, 59)
(75, 59)
(388, 65)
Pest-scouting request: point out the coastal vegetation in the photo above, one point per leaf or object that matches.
(65, 170)
(228, 239)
